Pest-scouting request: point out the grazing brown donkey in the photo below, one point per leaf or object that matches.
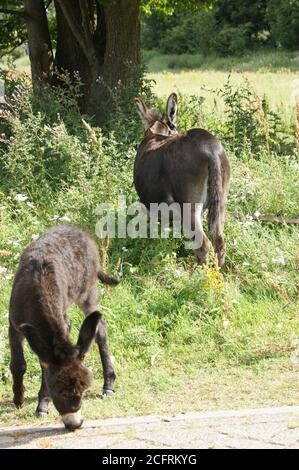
(185, 167)
(60, 268)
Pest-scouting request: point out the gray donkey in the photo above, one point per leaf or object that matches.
(185, 167)
(60, 268)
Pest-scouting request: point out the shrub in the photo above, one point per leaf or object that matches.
(232, 40)
(193, 34)
(283, 17)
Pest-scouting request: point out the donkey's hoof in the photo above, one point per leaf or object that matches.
(18, 401)
(40, 413)
(107, 393)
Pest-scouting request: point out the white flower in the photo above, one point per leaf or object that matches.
(124, 249)
(21, 197)
(3, 270)
(34, 236)
(178, 272)
(279, 260)
(257, 214)
(30, 204)
(16, 243)
(2, 208)
(248, 223)
(65, 218)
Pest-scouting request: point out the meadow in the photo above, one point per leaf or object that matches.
(183, 337)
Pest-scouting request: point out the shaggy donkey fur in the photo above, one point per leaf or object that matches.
(58, 269)
(185, 168)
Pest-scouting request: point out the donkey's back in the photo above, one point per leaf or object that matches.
(176, 168)
(186, 168)
(64, 261)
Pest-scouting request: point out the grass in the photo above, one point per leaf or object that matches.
(258, 61)
(272, 73)
(183, 338)
(168, 390)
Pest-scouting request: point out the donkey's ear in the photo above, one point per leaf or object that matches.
(87, 332)
(172, 109)
(143, 112)
(36, 343)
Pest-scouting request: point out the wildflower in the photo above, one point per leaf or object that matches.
(5, 253)
(124, 249)
(213, 278)
(3, 270)
(248, 223)
(21, 197)
(178, 272)
(279, 260)
(65, 218)
(30, 204)
(257, 214)
(34, 236)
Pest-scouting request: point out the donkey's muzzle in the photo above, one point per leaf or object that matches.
(72, 421)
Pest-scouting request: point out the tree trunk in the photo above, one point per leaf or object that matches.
(39, 42)
(101, 42)
(123, 40)
(69, 55)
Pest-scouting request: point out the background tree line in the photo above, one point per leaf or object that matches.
(97, 43)
(226, 27)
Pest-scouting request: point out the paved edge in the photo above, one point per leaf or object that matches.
(158, 418)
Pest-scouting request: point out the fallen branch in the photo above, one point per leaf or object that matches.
(276, 218)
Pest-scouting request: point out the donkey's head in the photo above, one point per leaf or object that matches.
(157, 124)
(66, 375)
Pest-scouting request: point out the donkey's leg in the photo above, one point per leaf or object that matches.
(102, 340)
(43, 396)
(17, 364)
(200, 240)
(218, 236)
(202, 252)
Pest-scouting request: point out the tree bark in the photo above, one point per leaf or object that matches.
(39, 42)
(100, 42)
(69, 54)
(123, 40)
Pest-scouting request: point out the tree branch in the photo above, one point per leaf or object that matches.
(86, 28)
(13, 12)
(8, 52)
(74, 26)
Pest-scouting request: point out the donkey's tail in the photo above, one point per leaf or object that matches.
(106, 279)
(214, 193)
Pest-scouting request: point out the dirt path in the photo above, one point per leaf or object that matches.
(259, 428)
